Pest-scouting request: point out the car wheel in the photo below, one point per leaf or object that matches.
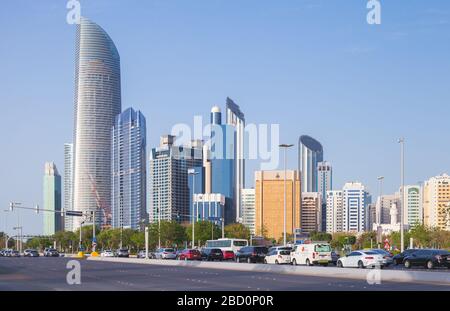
(430, 265)
(277, 262)
(407, 264)
(339, 264)
(249, 260)
(360, 265)
(294, 262)
(308, 263)
(265, 261)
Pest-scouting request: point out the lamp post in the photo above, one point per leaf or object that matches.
(80, 242)
(380, 179)
(401, 141)
(285, 146)
(192, 172)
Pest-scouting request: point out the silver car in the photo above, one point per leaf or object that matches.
(166, 253)
(388, 259)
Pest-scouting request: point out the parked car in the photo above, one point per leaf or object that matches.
(228, 255)
(123, 252)
(142, 253)
(30, 253)
(212, 254)
(190, 254)
(7, 253)
(334, 257)
(281, 248)
(398, 259)
(388, 258)
(107, 253)
(278, 257)
(51, 252)
(361, 259)
(430, 258)
(165, 253)
(15, 254)
(311, 254)
(251, 254)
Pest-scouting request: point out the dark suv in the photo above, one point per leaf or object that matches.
(398, 259)
(211, 254)
(430, 258)
(252, 254)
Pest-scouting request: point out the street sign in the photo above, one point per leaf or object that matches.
(74, 213)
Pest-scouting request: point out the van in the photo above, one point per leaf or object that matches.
(311, 254)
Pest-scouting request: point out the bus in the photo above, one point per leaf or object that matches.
(227, 244)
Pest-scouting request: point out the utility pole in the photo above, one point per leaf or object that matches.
(146, 242)
(401, 141)
(192, 172)
(285, 146)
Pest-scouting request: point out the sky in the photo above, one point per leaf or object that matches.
(314, 67)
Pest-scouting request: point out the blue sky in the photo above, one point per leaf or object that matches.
(314, 67)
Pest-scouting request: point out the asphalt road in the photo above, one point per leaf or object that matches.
(49, 274)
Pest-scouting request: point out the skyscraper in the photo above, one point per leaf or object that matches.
(53, 221)
(169, 190)
(311, 212)
(128, 201)
(355, 200)
(97, 102)
(248, 209)
(334, 211)
(436, 202)
(236, 118)
(413, 211)
(324, 184)
(68, 185)
(310, 153)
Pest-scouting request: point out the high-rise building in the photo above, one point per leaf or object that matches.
(236, 118)
(334, 211)
(355, 200)
(97, 102)
(436, 202)
(210, 207)
(384, 206)
(68, 185)
(223, 159)
(413, 210)
(310, 153)
(371, 215)
(129, 209)
(248, 209)
(269, 203)
(169, 190)
(53, 221)
(311, 212)
(324, 184)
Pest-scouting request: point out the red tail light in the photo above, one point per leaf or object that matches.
(254, 254)
(368, 257)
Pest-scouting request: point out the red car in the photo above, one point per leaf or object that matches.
(190, 254)
(228, 255)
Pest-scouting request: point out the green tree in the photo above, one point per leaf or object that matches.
(321, 236)
(367, 240)
(204, 230)
(66, 241)
(237, 231)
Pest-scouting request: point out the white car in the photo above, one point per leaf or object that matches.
(278, 257)
(107, 253)
(165, 253)
(311, 254)
(361, 259)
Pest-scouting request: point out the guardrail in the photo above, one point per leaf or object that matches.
(330, 272)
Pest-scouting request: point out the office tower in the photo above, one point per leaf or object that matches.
(236, 118)
(384, 204)
(169, 190)
(310, 153)
(311, 212)
(97, 102)
(248, 209)
(413, 211)
(436, 202)
(196, 181)
(334, 211)
(371, 215)
(354, 205)
(324, 184)
(68, 185)
(128, 202)
(210, 207)
(53, 221)
(269, 203)
(222, 159)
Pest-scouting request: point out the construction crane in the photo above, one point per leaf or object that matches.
(101, 205)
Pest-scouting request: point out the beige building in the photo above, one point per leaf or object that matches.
(311, 212)
(436, 200)
(269, 202)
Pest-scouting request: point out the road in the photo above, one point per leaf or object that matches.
(49, 274)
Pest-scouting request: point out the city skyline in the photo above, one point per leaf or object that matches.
(387, 165)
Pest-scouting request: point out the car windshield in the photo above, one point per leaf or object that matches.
(285, 252)
(240, 243)
(169, 250)
(371, 253)
(322, 248)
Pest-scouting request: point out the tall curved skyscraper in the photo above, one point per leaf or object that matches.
(97, 102)
(310, 153)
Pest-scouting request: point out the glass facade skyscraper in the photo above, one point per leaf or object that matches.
(310, 153)
(129, 170)
(97, 102)
(68, 185)
(53, 221)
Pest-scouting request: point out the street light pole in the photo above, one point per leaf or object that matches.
(401, 141)
(80, 242)
(192, 172)
(380, 179)
(285, 146)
